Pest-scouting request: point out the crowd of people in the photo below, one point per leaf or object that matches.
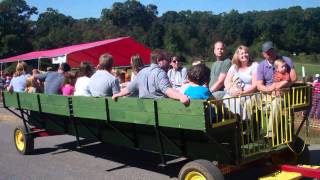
(226, 78)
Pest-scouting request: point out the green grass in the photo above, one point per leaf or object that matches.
(310, 69)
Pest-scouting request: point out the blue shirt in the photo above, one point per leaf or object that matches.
(197, 92)
(53, 82)
(18, 83)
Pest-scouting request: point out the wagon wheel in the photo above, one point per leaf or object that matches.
(24, 143)
(200, 170)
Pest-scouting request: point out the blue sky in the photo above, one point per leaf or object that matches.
(92, 8)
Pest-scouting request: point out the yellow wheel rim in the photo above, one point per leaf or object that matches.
(19, 140)
(194, 175)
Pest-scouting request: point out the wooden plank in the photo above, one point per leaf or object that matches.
(173, 114)
(55, 104)
(10, 99)
(169, 106)
(29, 101)
(89, 107)
(132, 110)
(182, 121)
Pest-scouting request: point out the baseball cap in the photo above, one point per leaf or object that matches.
(267, 46)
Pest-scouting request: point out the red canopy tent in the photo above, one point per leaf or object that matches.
(120, 48)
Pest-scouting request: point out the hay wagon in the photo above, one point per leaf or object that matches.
(209, 133)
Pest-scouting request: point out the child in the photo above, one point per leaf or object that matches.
(67, 89)
(31, 85)
(281, 73)
(198, 76)
(121, 77)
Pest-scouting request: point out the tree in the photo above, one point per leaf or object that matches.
(15, 27)
(53, 30)
(130, 14)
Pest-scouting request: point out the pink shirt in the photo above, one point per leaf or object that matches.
(67, 90)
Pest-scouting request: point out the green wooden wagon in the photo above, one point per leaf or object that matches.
(164, 126)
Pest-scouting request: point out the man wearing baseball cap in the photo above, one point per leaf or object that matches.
(266, 69)
(265, 82)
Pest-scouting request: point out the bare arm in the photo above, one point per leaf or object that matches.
(10, 89)
(293, 75)
(228, 80)
(171, 93)
(282, 84)
(123, 92)
(264, 88)
(216, 86)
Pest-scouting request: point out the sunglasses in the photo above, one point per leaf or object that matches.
(174, 61)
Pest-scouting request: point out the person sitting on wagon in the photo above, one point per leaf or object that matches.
(281, 73)
(266, 84)
(67, 88)
(241, 81)
(31, 85)
(197, 88)
(219, 70)
(198, 77)
(53, 80)
(82, 83)
(136, 65)
(103, 82)
(153, 82)
(177, 74)
(18, 82)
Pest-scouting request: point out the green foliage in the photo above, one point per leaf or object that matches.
(15, 27)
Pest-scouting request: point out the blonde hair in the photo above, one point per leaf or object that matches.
(20, 68)
(30, 82)
(279, 62)
(235, 58)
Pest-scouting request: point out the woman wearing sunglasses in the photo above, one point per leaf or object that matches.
(177, 74)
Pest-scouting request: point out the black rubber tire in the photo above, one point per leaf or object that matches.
(204, 167)
(28, 141)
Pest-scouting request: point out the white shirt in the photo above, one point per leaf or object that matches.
(177, 77)
(82, 86)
